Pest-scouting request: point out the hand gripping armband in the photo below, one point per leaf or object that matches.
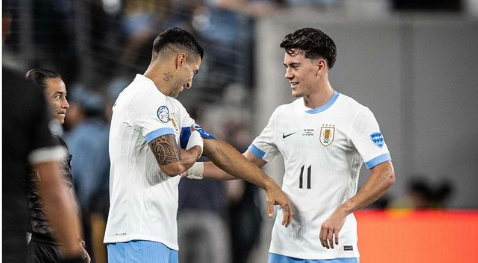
(195, 139)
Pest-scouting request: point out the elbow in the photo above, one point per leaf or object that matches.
(390, 178)
(172, 169)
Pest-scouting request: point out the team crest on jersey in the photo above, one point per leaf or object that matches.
(377, 139)
(327, 134)
(163, 114)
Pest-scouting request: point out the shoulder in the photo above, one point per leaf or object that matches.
(350, 104)
(296, 104)
(141, 93)
(176, 103)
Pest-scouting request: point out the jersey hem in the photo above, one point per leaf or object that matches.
(355, 254)
(378, 160)
(132, 238)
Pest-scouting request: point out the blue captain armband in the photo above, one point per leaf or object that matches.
(186, 133)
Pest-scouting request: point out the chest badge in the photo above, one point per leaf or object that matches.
(163, 114)
(327, 134)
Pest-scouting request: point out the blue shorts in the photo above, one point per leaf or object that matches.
(276, 258)
(141, 251)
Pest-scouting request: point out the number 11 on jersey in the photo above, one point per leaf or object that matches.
(301, 177)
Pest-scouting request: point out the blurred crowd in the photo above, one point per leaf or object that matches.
(99, 46)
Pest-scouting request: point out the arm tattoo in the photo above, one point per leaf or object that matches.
(165, 149)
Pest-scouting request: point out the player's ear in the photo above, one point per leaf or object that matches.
(321, 65)
(180, 60)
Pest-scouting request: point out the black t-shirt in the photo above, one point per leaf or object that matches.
(39, 226)
(25, 128)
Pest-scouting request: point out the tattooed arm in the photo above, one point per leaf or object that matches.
(170, 157)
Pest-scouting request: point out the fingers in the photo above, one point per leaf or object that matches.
(323, 237)
(328, 237)
(336, 237)
(270, 209)
(286, 215)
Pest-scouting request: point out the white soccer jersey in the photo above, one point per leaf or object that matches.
(323, 150)
(143, 200)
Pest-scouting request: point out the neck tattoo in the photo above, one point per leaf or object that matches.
(167, 76)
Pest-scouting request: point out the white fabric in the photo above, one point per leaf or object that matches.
(48, 154)
(196, 171)
(143, 200)
(298, 134)
(195, 140)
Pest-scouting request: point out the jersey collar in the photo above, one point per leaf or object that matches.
(325, 106)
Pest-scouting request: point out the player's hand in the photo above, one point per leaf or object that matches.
(195, 139)
(275, 196)
(329, 230)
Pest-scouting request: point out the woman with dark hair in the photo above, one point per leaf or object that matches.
(43, 247)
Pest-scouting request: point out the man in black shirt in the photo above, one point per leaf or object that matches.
(27, 142)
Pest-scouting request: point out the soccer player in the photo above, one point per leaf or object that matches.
(43, 247)
(324, 137)
(152, 140)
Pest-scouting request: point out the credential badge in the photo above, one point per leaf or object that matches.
(327, 134)
(377, 138)
(163, 114)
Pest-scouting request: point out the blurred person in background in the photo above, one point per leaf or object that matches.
(27, 143)
(245, 216)
(422, 194)
(87, 139)
(203, 232)
(43, 247)
(161, 142)
(140, 21)
(227, 28)
(324, 138)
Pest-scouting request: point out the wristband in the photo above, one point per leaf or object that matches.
(196, 171)
(195, 139)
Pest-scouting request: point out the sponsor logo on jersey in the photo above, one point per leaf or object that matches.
(163, 114)
(348, 248)
(327, 134)
(377, 138)
(287, 135)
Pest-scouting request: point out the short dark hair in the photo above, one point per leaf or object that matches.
(179, 38)
(39, 76)
(314, 43)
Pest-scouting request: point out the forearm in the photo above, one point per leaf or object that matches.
(381, 179)
(185, 161)
(233, 163)
(213, 172)
(173, 160)
(61, 209)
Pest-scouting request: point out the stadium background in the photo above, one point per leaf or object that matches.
(412, 62)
